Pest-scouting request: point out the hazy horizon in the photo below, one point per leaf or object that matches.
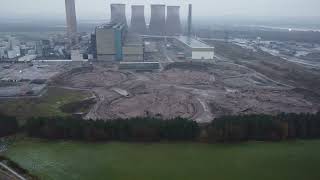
(99, 9)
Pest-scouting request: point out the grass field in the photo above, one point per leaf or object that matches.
(47, 105)
(181, 161)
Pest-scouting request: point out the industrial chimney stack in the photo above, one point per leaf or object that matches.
(190, 21)
(71, 21)
(118, 13)
(173, 23)
(158, 19)
(138, 22)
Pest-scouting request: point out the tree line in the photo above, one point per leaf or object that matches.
(8, 125)
(134, 129)
(258, 127)
(265, 127)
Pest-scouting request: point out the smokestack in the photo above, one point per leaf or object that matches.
(118, 13)
(173, 23)
(138, 22)
(71, 20)
(190, 21)
(158, 19)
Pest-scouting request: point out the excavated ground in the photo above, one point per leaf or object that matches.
(193, 90)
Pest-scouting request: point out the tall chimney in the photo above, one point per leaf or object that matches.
(118, 13)
(138, 22)
(71, 21)
(173, 23)
(158, 19)
(190, 21)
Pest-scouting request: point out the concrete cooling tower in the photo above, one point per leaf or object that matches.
(118, 13)
(158, 19)
(173, 23)
(138, 22)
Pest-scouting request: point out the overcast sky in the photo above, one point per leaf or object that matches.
(90, 9)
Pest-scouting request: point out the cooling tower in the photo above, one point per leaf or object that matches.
(118, 13)
(158, 19)
(138, 22)
(173, 23)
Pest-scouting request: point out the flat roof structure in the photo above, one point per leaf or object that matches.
(111, 25)
(192, 43)
(194, 48)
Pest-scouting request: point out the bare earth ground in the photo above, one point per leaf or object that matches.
(200, 91)
(238, 82)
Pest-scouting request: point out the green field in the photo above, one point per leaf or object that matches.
(47, 105)
(181, 161)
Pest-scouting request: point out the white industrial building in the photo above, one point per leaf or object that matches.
(27, 58)
(76, 55)
(195, 49)
(12, 54)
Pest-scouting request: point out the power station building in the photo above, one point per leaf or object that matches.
(109, 41)
(113, 43)
(133, 48)
(195, 49)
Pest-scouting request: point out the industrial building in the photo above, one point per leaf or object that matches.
(27, 58)
(133, 48)
(109, 41)
(173, 23)
(158, 19)
(71, 21)
(76, 55)
(114, 43)
(93, 46)
(118, 13)
(195, 49)
(138, 22)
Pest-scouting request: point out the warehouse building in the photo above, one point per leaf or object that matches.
(195, 49)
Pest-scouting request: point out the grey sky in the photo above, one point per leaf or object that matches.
(89, 9)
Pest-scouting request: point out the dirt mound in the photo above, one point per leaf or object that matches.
(185, 77)
(308, 94)
(168, 103)
(89, 77)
